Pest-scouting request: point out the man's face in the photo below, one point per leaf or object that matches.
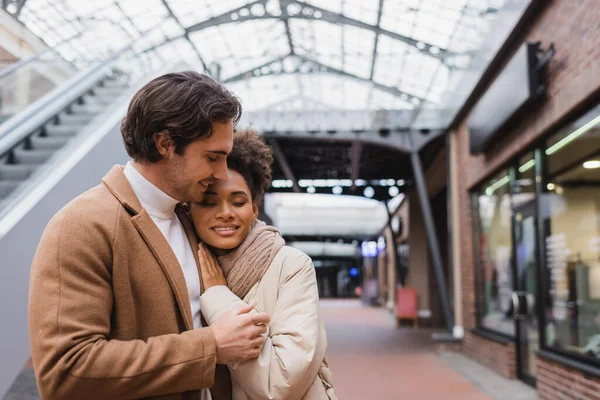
(203, 162)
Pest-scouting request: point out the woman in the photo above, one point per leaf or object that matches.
(254, 266)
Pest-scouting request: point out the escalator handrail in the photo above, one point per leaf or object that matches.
(17, 128)
(26, 61)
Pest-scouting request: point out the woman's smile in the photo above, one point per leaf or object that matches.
(226, 230)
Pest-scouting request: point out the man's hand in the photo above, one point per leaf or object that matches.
(239, 334)
(212, 274)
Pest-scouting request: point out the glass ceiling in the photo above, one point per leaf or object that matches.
(290, 55)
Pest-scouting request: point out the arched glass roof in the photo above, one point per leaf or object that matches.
(290, 55)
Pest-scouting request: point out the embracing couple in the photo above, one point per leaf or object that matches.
(161, 283)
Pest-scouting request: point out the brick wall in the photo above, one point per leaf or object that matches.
(496, 356)
(418, 275)
(574, 81)
(573, 76)
(556, 382)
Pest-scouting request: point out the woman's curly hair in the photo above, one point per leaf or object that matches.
(252, 158)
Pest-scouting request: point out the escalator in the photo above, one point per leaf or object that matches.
(33, 150)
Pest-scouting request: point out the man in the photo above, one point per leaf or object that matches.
(115, 289)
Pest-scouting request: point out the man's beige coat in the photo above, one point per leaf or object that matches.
(109, 313)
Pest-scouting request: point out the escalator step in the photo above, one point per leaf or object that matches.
(49, 142)
(111, 91)
(32, 157)
(75, 119)
(87, 109)
(118, 83)
(16, 172)
(102, 100)
(63, 130)
(6, 187)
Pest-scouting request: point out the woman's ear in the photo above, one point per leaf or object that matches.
(255, 211)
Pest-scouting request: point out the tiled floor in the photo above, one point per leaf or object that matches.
(372, 359)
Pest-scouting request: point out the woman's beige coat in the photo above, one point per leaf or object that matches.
(292, 363)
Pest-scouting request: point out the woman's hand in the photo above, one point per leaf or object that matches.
(211, 272)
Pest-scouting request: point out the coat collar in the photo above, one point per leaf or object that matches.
(116, 182)
(119, 186)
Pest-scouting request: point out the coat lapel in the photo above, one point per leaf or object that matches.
(119, 186)
(168, 261)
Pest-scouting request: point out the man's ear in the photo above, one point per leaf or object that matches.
(164, 144)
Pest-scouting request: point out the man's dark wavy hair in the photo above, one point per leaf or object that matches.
(183, 105)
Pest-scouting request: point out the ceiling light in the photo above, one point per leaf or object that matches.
(592, 164)
(337, 190)
(394, 191)
(565, 141)
(527, 166)
(498, 184)
(369, 192)
(310, 189)
(551, 186)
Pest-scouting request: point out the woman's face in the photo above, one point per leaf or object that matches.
(225, 215)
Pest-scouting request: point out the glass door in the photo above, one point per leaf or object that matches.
(524, 297)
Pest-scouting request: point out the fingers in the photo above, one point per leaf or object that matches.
(207, 258)
(204, 264)
(254, 353)
(243, 309)
(258, 331)
(257, 342)
(260, 318)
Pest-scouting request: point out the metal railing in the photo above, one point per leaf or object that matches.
(127, 60)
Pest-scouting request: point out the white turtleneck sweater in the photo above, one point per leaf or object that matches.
(161, 208)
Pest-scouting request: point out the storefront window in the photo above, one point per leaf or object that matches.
(495, 250)
(524, 185)
(571, 212)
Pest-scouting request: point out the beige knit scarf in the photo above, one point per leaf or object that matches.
(245, 265)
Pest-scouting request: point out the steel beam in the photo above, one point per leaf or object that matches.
(383, 121)
(15, 7)
(432, 239)
(394, 140)
(186, 34)
(292, 98)
(283, 163)
(310, 12)
(374, 55)
(357, 148)
(307, 66)
(401, 278)
(134, 27)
